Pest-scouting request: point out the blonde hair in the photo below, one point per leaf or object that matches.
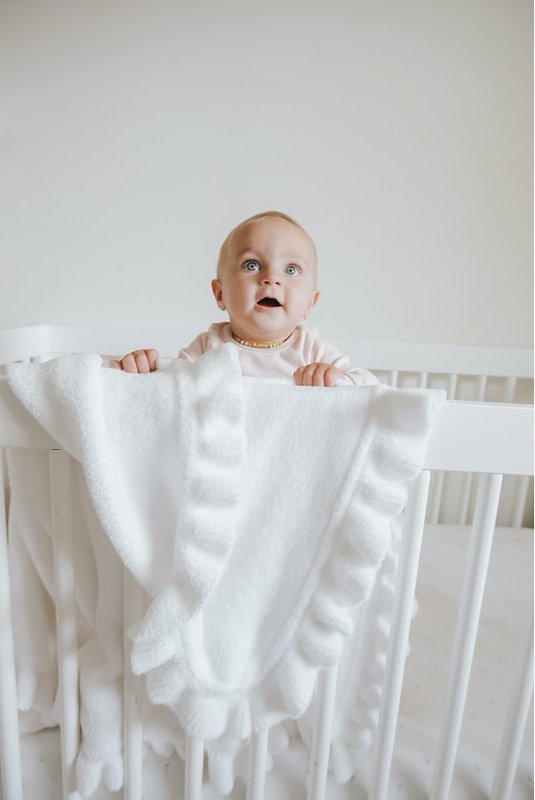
(223, 252)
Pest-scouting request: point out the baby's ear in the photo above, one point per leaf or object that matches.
(218, 293)
(313, 301)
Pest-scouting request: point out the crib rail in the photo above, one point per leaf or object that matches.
(467, 437)
(467, 373)
(40, 340)
(490, 439)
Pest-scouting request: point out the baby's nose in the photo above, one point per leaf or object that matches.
(269, 278)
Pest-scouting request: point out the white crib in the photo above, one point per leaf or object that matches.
(485, 429)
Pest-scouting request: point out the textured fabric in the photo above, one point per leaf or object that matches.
(99, 609)
(303, 347)
(257, 515)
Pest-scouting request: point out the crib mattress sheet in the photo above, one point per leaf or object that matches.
(508, 595)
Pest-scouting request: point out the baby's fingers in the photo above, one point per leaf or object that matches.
(152, 358)
(133, 363)
(332, 376)
(311, 374)
(304, 376)
(317, 374)
(140, 361)
(145, 360)
(299, 376)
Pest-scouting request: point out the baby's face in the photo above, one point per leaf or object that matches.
(267, 280)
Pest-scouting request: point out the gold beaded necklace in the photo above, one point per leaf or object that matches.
(261, 345)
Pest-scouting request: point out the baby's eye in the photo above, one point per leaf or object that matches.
(251, 265)
(291, 269)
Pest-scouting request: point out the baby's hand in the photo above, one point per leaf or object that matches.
(317, 374)
(138, 361)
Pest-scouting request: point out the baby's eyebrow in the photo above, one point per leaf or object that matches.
(248, 251)
(295, 256)
(287, 254)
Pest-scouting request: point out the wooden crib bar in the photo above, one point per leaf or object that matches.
(321, 739)
(9, 722)
(133, 605)
(515, 722)
(65, 602)
(488, 497)
(521, 498)
(413, 528)
(194, 769)
(256, 781)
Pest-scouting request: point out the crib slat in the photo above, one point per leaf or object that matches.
(481, 388)
(438, 483)
(256, 781)
(510, 388)
(520, 501)
(393, 379)
(517, 715)
(132, 684)
(194, 767)
(468, 476)
(60, 495)
(468, 479)
(413, 527)
(487, 500)
(321, 739)
(9, 721)
(422, 380)
(436, 499)
(452, 386)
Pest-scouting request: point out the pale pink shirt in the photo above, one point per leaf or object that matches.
(303, 347)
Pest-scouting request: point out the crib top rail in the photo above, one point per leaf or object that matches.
(503, 362)
(37, 340)
(466, 437)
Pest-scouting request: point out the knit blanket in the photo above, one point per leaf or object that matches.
(258, 517)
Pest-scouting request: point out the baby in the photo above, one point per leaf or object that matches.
(266, 282)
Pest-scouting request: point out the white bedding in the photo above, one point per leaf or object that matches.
(507, 598)
(245, 606)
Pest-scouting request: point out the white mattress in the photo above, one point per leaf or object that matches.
(508, 596)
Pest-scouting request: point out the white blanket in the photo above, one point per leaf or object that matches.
(256, 515)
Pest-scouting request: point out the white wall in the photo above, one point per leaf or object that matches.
(135, 134)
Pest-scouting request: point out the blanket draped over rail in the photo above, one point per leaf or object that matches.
(262, 519)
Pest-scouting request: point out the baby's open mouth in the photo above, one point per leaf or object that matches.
(269, 301)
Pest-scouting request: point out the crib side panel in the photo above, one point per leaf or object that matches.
(457, 445)
(452, 494)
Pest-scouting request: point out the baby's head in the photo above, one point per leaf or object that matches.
(266, 277)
